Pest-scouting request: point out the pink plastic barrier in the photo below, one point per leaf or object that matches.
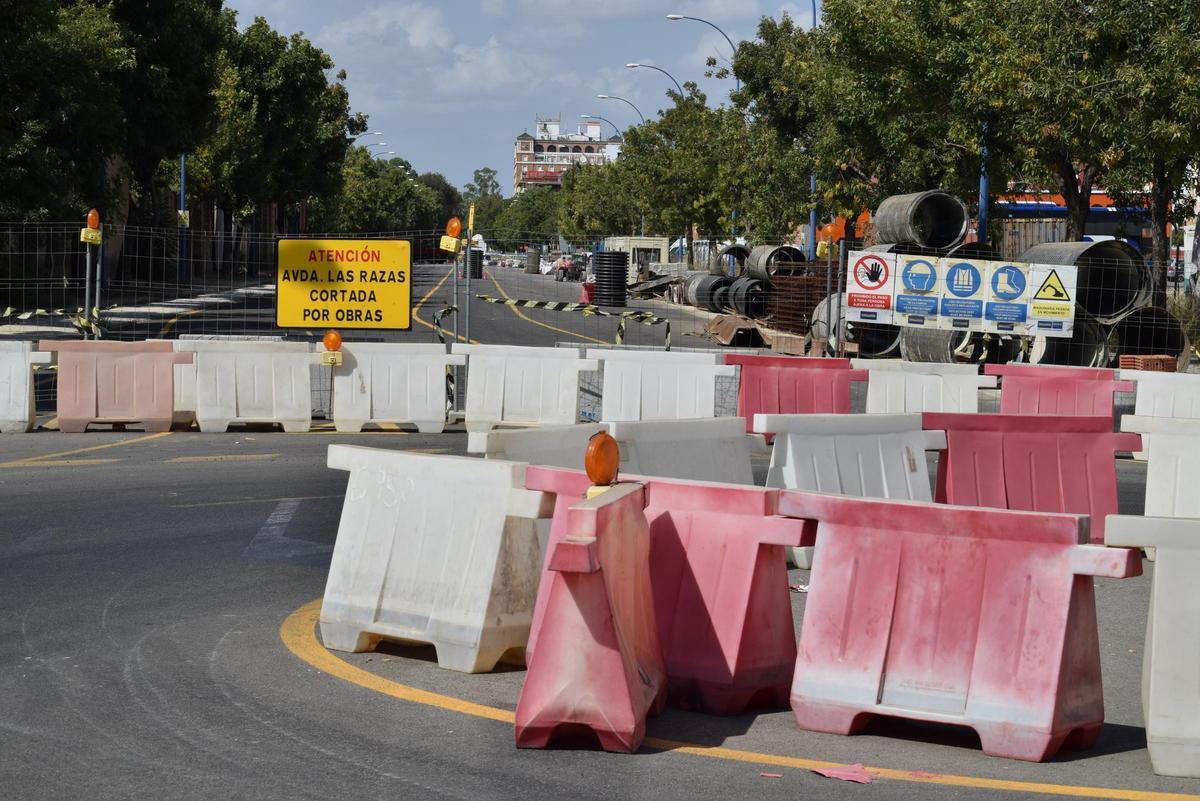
(1039, 464)
(115, 382)
(719, 574)
(974, 617)
(792, 385)
(1026, 389)
(600, 664)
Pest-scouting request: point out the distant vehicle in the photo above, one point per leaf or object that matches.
(570, 268)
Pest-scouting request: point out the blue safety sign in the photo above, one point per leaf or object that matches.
(962, 279)
(919, 276)
(1008, 282)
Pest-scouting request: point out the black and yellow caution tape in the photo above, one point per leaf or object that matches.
(589, 310)
(437, 329)
(78, 317)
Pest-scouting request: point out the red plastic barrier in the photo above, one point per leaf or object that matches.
(115, 382)
(1039, 464)
(600, 664)
(720, 586)
(792, 385)
(1027, 389)
(975, 617)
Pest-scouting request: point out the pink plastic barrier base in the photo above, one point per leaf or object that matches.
(719, 576)
(973, 617)
(1027, 389)
(792, 385)
(1038, 464)
(600, 664)
(115, 383)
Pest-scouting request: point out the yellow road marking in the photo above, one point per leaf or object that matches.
(298, 633)
(529, 319)
(224, 457)
(119, 444)
(253, 500)
(171, 323)
(426, 450)
(58, 463)
(388, 426)
(428, 295)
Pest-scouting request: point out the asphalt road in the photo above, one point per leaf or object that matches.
(144, 581)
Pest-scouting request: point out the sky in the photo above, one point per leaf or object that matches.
(451, 84)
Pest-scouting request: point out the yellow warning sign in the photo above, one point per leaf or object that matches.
(343, 283)
(1052, 289)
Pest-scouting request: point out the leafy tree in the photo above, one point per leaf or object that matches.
(531, 216)
(597, 200)
(376, 196)
(59, 112)
(483, 183)
(168, 100)
(450, 201)
(282, 128)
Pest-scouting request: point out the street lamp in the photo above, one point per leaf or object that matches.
(376, 144)
(368, 133)
(616, 130)
(634, 66)
(732, 46)
(623, 100)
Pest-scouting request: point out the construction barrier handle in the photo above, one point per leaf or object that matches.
(1097, 560)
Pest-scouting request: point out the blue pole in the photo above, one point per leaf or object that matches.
(183, 273)
(812, 219)
(982, 234)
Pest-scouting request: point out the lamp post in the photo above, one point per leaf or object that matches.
(635, 66)
(370, 145)
(623, 100)
(732, 46)
(616, 130)
(368, 133)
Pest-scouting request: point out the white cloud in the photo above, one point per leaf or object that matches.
(391, 31)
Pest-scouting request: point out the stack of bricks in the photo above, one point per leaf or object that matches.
(1157, 364)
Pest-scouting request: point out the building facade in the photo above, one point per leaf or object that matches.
(541, 158)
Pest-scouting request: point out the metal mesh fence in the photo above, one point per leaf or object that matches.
(164, 283)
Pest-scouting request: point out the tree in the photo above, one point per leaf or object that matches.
(531, 216)
(282, 127)
(483, 183)
(597, 200)
(376, 196)
(168, 101)
(450, 201)
(59, 111)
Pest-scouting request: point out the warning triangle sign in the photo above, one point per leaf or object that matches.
(1052, 289)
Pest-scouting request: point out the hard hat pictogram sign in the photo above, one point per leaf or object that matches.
(1052, 289)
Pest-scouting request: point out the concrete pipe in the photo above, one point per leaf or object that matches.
(720, 262)
(1087, 346)
(932, 219)
(765, 261)
(1152, 331)
(1113, 278)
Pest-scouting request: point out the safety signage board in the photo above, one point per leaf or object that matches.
(1052, 299)
(916, 293)
(961, 295)
(869, 287)
(1006, 309)
(343, 283)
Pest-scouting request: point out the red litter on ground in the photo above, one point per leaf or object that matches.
(851, 773)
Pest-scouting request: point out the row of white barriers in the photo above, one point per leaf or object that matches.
(254, 379)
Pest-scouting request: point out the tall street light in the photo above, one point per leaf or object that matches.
(368, 133)
(616, 130)
(635, 66)
(375, 144)
(623, 100)
(732, 46)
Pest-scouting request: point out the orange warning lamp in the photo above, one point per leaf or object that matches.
(454, 227)
(332, 340)
(602, 459)
(93, 220)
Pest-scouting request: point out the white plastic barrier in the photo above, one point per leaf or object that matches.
(17, 410)
(896, 386)
(518, 386)
(185, 374)
(385, 382)
(1171, 395)
(1171, 664)
(659, 385)
(710, 449)
(875, 456)
(434, 549)
(1171, 470)
(252, 382)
